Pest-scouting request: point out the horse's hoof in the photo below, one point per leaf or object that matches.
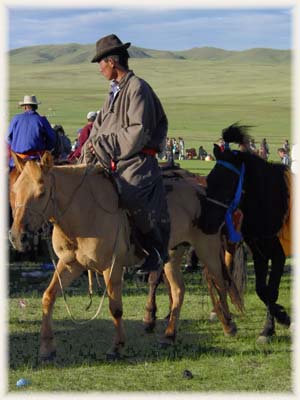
(113, 356)
(232, 331)
(213, 317)
(261, 340)
(49, 358)
(149, 327)
(166, 342)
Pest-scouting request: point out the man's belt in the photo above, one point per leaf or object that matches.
(148, 150)
(31, 153)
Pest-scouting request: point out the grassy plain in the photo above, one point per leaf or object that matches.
(218, 364)
(200, 97)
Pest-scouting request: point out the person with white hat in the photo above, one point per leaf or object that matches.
(30, 134)
(83, 136)
(128, 133)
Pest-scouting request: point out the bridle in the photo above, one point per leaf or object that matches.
(234, 236)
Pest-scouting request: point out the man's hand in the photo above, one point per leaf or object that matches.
(91, 148)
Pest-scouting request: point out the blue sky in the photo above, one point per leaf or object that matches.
(161, 29)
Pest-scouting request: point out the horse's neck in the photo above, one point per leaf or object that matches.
(79, 190)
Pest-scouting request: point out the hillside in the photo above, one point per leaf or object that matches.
(74, 53)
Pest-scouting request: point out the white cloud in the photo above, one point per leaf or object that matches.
(161, 29)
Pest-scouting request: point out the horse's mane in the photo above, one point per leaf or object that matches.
(236, 133)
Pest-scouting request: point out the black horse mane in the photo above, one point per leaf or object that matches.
(236, 133)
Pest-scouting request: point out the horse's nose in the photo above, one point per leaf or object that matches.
(11, 238)
(19, 242)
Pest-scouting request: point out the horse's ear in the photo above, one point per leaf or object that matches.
(217, 151)
(19, 162)
(47, 161)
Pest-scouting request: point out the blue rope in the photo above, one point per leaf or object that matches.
(228, 165)
(234, 235)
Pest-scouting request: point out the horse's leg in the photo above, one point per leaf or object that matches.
(168, 287)
(209, 250)
(67, 275)
(151, 308)
(113, 281)
(277, 265)
(175, 279)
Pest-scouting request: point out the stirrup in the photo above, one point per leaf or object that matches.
(150, 265)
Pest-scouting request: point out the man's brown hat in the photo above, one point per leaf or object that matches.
(109, 45)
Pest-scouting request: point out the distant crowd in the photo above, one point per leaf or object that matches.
(175, 150)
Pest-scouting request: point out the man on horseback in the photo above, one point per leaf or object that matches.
(30, 134)
(128, 132)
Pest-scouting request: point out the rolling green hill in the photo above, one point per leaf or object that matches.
(74, 53)
(202, 90)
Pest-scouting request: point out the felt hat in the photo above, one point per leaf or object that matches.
(109, 45)
(29, 100)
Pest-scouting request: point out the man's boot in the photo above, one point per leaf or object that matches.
(157, 256)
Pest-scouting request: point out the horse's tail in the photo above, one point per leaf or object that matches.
(235, 280)
(239, 270)
(236, 133)
(233, 285)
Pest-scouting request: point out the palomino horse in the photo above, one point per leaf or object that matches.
(265, 203)
(90, 231)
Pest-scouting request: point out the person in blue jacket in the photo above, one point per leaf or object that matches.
(30, 134)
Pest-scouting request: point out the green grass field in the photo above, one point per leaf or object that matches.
(218, 364)
(200, 97)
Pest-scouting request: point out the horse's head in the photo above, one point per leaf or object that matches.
(30, 197)
(222, 182)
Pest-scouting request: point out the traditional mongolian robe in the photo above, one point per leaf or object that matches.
(129, 131)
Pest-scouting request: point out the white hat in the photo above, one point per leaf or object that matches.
(29, 100)
(91, 115)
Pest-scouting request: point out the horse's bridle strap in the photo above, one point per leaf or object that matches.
(230, 166)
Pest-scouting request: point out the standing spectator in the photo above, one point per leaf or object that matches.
(253, 148)
(221, 144)
(285, 159)
(175, 149)
(63, 143)
(264, 150)
(181, 148)
(83, 135)
(169, 150)
(202, 153)
(30, 134)
(286, 147)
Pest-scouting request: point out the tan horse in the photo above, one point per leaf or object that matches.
(90, 231)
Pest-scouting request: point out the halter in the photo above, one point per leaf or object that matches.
(234, 235)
